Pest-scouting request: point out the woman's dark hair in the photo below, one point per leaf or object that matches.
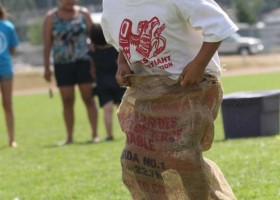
(96, 35)
(3, 13)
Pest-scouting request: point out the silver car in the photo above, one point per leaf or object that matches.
(236, 44)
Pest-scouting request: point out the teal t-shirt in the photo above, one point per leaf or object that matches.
(8, 39)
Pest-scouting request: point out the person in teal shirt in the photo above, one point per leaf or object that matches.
(8, 42)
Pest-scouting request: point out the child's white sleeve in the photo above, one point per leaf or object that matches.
(208, 16)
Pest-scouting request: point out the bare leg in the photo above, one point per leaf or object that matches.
(108, 113)
(85, 90)
(68, 99)
(6, 89)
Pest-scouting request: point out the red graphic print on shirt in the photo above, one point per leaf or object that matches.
(148, 40)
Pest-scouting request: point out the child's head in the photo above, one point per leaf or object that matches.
(97, 36)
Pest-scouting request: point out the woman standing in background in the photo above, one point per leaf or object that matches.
(8, 42)
(66, 30)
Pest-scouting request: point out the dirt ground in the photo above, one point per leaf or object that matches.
(233, 62)
(31, 80)
(236, 65)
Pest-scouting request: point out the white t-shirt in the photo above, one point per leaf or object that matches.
(163, 36)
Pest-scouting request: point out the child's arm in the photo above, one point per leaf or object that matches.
(194, 71)
(123, 69)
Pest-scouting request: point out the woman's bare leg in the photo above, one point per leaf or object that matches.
(68, 99)
(6, 89)
(86, 93)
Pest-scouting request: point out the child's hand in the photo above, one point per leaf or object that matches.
(123, 70)
(193, 73)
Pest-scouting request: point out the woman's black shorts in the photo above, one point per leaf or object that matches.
(69, 74)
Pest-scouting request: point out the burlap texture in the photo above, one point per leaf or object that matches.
(167, 128)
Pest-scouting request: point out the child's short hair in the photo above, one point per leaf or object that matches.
(96, 35)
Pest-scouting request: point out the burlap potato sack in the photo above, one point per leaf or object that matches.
(167, 128)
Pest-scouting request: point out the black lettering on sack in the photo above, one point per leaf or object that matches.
(150, 162)
(128, 155)
(146, 172)
(143, 171)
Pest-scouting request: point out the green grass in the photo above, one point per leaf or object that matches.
(40, 170)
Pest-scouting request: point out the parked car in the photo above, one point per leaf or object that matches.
(237, 44)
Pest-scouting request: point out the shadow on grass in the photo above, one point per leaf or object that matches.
(8, 147)
(89, 142)
(4, 147)
(220, 140)
(253, 137)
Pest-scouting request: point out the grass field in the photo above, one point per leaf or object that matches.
(40, 170)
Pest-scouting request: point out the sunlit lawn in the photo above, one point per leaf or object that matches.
(39, 169)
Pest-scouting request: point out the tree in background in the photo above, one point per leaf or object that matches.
(249, 11)
(25, 5)
(225, 2)
(270, 5)
(19, 5)
(27, 15)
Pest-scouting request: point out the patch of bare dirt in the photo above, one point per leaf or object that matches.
(30, 80)
(236, 65)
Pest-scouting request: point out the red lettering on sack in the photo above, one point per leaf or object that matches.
(159, 136)
(140, 141)
(144, 186)
(165, 123)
